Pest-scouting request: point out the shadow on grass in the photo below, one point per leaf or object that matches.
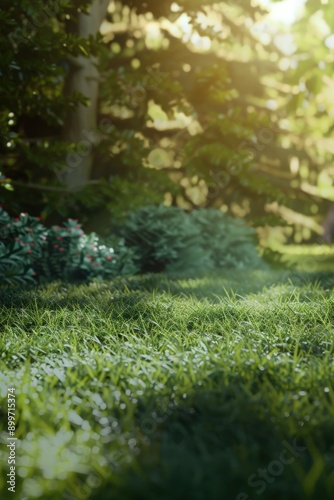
(223, 443)
(138, 288)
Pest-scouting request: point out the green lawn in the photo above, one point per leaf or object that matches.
(149, 388)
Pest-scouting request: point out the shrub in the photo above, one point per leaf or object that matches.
(230, 243)
(168, 239)
(162, 238)
(22, 241)
(32, 253)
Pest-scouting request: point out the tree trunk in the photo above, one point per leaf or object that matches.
(328, 235)
(81, 123)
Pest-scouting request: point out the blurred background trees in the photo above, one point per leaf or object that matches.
(190, 103)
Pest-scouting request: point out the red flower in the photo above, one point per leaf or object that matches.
(59, 238)
(30, 229)
(29, 251)
(16, 219)
(108, 258)
(61, 249)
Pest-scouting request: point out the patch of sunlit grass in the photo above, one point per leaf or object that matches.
(149, 388)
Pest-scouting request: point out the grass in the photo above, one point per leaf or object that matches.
(308, 258)
(148, 388)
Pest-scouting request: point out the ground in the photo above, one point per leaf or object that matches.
(148, 387)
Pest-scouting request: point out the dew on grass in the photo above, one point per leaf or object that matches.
(105, 431)
(86, 425)
(104, 421)
(32, 488)
(23, 472)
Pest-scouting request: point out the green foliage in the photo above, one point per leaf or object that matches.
(36, 50)
(164, 239)
(22, 243)
(169, 239)
(216, 76)
(31, 253)
(229, 242)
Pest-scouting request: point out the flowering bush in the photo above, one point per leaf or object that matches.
(32, 253)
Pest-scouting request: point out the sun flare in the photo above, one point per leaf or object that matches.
(286, 12)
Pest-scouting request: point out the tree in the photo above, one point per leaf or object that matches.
(83, 78)
(220, 90)
(196, 111)
(36, 53)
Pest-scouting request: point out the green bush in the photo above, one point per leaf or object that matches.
(229, 242)
(162, 239)
(32, 253)
(169, 239)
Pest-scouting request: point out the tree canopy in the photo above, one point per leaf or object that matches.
(107, 106)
